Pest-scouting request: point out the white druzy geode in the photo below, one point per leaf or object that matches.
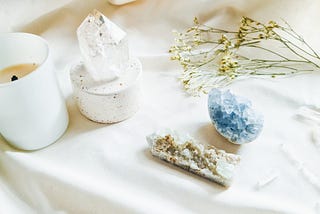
(185, 152)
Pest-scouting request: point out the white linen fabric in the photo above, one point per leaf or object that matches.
(96, 168)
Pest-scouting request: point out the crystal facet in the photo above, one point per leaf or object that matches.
(104, 47)
(234, 116)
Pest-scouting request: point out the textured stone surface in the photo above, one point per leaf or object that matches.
(204, 160)
(104, 47)
(108, 102)
(234, 116)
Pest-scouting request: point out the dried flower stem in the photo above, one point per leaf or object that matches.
(213, 57)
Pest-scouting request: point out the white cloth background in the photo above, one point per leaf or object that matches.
(98, 168)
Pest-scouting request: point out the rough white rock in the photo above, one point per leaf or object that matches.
(183, 151)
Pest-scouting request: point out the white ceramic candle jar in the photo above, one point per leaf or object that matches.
(32, 110)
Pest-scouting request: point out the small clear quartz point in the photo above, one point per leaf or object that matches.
(104, 47)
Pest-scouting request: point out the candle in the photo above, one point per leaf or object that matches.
(33, 113)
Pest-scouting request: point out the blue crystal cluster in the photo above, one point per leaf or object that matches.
(234, 116)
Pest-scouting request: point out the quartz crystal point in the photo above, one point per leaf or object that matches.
(104, 47)
(234, 117)
(204, 160)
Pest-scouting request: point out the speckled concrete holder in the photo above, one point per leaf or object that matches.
(111, 101)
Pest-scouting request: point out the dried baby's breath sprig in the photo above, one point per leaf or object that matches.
(213, 57)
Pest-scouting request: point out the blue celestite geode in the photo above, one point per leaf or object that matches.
(234, 116)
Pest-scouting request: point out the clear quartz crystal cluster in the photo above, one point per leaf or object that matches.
(104, 47)
(106, 84)
(204, 160)
(234, 116)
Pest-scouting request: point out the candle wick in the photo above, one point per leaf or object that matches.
(14, 78)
